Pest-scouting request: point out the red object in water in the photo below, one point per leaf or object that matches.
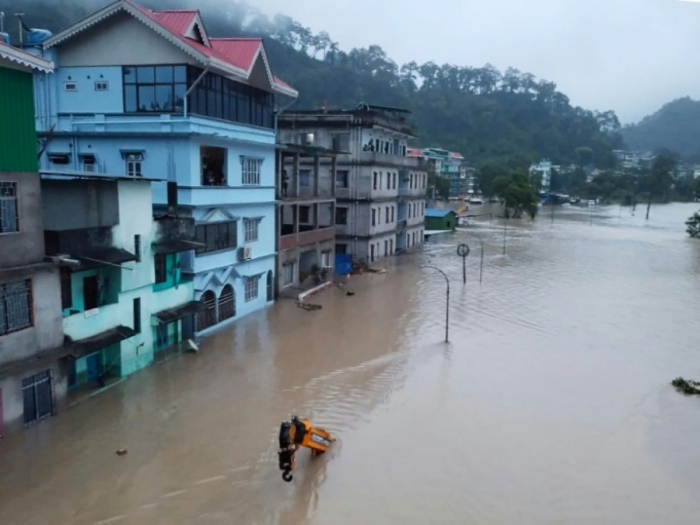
(121, 452)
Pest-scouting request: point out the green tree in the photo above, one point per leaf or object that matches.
(657, 183)
(517, 192)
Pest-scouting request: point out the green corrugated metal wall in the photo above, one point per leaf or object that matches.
(17, 128)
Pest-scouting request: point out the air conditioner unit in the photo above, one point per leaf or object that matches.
(245, 253)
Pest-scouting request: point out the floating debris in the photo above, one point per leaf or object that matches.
(122, 452)
(687, 386)
(309, 307)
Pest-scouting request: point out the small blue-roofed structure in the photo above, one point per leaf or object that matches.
(440, 219)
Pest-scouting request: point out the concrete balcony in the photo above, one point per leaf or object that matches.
(287, 242)
(383, 159)
(93, 322)
(217, 195)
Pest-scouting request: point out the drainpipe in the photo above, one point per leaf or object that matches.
(194, 85)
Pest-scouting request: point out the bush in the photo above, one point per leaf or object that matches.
(693, 224)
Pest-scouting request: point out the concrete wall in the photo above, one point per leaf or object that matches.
(46, 333)
(92, 204)
(26, 246)
(86, 99)
(119, 40)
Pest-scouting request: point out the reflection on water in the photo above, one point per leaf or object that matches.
(550, 405)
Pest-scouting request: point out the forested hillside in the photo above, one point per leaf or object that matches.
(486, 114)
(675, 127)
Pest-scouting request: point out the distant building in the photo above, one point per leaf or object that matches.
(541, 173)
(147, 93)
(452, 166)
(32, 368)
(380, 189)
(439, 219)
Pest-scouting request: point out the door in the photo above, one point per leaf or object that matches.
(94, 366)
(90, 292)
(36, 392)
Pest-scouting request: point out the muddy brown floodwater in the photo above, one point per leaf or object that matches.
(551, 405)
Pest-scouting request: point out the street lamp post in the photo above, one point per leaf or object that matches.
(463, 251)
(447, 304)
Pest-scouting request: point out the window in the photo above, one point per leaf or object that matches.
(137, 247)
(371, 253)
(66, 288)
(217, 236)
(89, 162)
(213, 165)
(341, 178)
(9, 209)
(221, 98)
(304, 214)
(393, 209)
(388, 214)
(326, 259)
(341, 142)
(388, 181)
(161, 265)
(304, 177)
(90, 293)
(206, 317)
(251, 288)
(288, 273)
(410, 184)
(251, 171)
(374, 217)
(269, 286)
(376, 179)
(133, 164)
(137, 315)
(395, 176)
(227, 303)
(341, 248)
(409, 211)
(15, 306)
(70, 86)
(251, 227)
(149, 89)
(391, 246)
(341, 216)
(101, 85)
(386, 248)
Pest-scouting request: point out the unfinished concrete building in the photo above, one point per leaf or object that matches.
(380, 190)
(306, 218)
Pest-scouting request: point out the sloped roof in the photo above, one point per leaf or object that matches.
(24, 59)
(438, 213)
(456, 155)
(232, 56)
(414, 152)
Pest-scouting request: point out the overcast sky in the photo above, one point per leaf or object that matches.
(631, 56)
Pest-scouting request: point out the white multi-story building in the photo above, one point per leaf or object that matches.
(542, 172)
(380, 189)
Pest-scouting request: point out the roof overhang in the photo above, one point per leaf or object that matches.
(24, 60)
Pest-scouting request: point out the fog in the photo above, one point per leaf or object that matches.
(631, 56)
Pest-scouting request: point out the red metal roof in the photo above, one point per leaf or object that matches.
(413, 152)
(239, 52)
(456, 155)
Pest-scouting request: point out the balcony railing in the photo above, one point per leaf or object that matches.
(92, 322)
(383, 158)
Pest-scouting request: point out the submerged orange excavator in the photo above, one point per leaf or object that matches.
(299, 433)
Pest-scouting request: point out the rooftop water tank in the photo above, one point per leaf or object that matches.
(4, 37)
(37, 36)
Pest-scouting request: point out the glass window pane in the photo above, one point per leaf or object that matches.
(180, 73)
(130, 99)
(145, 74)
(180, 90)
(164, 74)
(164, 98)
(147, 98)
(130, 75)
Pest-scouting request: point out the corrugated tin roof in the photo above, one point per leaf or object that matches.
(240, 52)
(414, 152)
(456, 155)
(438, 213)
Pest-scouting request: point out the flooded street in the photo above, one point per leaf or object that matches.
(552, 403)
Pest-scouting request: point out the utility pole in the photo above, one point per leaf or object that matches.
(505, 235)
(447, 311)
(2, 21)
(21, 27)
